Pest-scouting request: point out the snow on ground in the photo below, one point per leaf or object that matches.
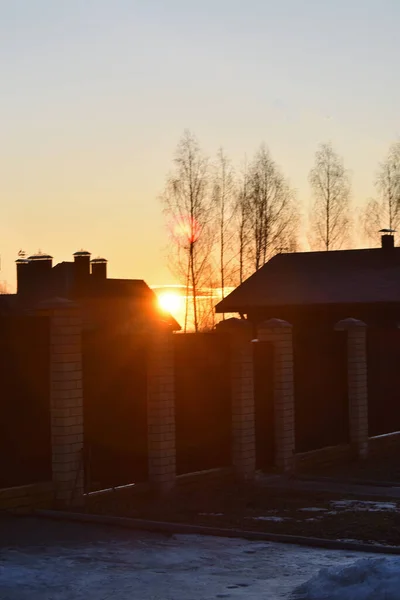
(336, 507)
(274, 519)
(363, 505)
(313, 509)
(366, 579)
(122, 565)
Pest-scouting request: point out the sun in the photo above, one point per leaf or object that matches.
(170, 302)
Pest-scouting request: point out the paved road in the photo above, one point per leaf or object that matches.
(48, 560)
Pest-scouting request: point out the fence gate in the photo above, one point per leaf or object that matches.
(25, 426)
(321, 395)
(115, 409)
(383, 348)
(264, 404)
(203, 401)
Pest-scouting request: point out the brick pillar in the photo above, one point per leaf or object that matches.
(357, 383)
(66, 396)
(161, 411)
(280, 334)
(242, 389)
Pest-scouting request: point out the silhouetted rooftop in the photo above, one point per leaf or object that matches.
(40, 256)
(315, 278)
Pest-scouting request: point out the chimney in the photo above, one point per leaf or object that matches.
(387, 239)
(99, 268)
(22, 275)
(36, 274)
(82, 269)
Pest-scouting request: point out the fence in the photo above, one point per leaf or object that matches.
(264, 404)
(25, 429)
(383, 346)
(203, 413)
(115, 409)
(148, 409)
(321, 389)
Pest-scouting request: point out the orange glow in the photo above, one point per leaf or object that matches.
(187, 229)
(171, 302)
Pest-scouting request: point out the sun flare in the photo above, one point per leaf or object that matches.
(170, 302)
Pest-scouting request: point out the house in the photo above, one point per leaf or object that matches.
(118, 304)
(320, 288)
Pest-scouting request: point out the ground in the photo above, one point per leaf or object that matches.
(46, 560)
(333, 514)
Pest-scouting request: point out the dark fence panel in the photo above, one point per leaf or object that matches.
(321, 395)
(264, 404)
(115, 409)
(203, 401)
(383, 347)
(25, 426)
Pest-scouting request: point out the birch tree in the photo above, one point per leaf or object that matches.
(330, 185)
(384, 211)
(242, 222)
(188, 208)
(224, 192)
(270, 210)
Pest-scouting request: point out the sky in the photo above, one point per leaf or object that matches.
(95, 94)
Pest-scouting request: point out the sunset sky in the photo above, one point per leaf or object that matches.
(96, 93)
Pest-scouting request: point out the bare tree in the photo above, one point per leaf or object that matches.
(188, 207)
(4, 288)
(384, 211)
(224, 198)
(242, 224)
(330, 184)
(270, 211)
(207, 299)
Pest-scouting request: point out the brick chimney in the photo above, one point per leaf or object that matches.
(33, 273)
(387, 242)
(99, 268)
(387, 238)
(81, 269)
(22, 275)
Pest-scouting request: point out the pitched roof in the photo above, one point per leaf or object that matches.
(314, 278)
(119, 288)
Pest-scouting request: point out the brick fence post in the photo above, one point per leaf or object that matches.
(357, 383)
(242, 390)
(280, 334)
(161, 411)
(66, 399)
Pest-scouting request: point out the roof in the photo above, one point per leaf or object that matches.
(315, 278)
(116, 288)
(63, 280)
(40, 256)
(99, 260)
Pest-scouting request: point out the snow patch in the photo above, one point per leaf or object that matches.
(211, 514)
(363, 505)
(348, 541)
(366, 579)
(127, 565)
(313, 509)
(274, 519)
